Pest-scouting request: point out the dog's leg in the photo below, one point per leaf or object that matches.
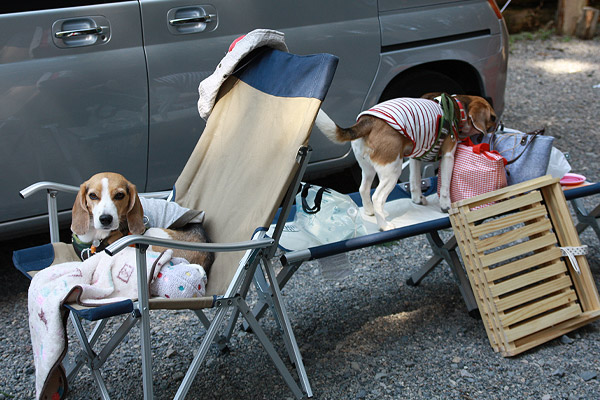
(415, 182)
(446, 166)
(367, 175)
(388, 178)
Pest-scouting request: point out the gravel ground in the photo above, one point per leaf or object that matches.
(369, 335)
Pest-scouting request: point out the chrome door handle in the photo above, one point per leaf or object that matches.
(98, 30)
(193, 20)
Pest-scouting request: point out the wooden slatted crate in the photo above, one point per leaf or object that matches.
(526, 291)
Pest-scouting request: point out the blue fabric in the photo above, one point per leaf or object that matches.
(105, 311)
(288, 75)
(33, 258)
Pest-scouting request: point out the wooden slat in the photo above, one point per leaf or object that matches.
(518, 249)
(538, 307)
(537, 211)
(504, 206)
(513, 235)
(485, 304)
(505, 192)
(533, 293)
(567, 236)
(523, 264)
(543, 322)
(520, 281)
(553, 332)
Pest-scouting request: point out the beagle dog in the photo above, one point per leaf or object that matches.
(407, 127)
(107, 207)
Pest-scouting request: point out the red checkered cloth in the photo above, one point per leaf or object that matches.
(477, 170)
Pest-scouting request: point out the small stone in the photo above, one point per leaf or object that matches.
(559, 372)
(361, 394)
(564, 339)
(466, 374)
(588, 375)
(178, 375)
(546, 397)
(380, 375)
(171, 352)
(354, 365)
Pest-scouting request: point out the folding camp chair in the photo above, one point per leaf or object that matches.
(248, 162)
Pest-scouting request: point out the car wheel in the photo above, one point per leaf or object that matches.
(417, 83)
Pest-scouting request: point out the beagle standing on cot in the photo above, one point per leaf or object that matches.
(107, 207)
(408, 127)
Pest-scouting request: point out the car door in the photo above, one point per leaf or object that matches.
(73, 97)
(185, 40)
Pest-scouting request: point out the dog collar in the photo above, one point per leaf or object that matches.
(463, 113)
(83, 249)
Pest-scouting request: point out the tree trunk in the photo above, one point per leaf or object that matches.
(568, 14)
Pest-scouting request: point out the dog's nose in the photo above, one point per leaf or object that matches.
(106, 219)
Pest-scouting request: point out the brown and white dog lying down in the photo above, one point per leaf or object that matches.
(406, 127)
(107, 207)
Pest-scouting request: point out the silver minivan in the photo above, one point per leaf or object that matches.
(112, 85)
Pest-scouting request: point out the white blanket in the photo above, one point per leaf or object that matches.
(209, 87)
(100, 279)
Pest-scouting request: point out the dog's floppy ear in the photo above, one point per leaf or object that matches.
(80, 222)
(479, 116)
(135, 212)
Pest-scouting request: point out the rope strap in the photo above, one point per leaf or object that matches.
(571, 252)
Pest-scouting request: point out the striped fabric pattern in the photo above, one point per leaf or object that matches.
(417, 119)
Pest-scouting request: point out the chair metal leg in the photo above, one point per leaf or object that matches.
(144, 310)
(211, 333)
(263, 288)
(289, 338)
(262, 337)
(90, 356)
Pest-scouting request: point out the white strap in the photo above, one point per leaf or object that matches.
(571, 252)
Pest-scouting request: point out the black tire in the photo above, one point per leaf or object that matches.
(417, 83)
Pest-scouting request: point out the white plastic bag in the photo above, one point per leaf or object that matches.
(558, 165)
(326, 215)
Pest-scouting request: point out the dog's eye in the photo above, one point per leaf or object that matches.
(119, 196)
(493, 118)
(93, 196)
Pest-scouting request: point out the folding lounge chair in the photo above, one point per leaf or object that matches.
(442, 250)
(247, 163)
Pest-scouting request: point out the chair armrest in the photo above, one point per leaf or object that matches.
(59, 187)
(178, 244)
(36, 187)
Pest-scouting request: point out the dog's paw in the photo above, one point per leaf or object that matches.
(387, 226)
(421, 200)
(368, 210)
(444, 204)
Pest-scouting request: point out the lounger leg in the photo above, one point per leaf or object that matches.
(586, 218)
(447, 251)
